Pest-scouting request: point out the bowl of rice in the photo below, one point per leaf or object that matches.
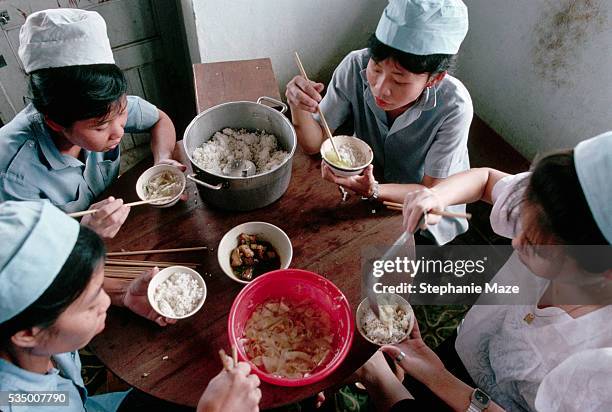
(177, 292)
(161, 181)
(394, 324)
(355, 155)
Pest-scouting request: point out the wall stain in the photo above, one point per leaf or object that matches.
(564, 27)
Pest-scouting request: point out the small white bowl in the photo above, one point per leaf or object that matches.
(391, 298)
(357, 144)
(153, 171)
(164, 274)
(267, 231)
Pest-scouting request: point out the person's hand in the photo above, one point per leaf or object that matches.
(363, 185)
(172, 162)
(136, 299)
(303, 94)
(376, 370)
(234, 390)
(416, 358)
(107, 221)
(416, 205)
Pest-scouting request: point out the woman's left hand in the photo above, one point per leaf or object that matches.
(362, 185)
(135, 299)
(172, 162)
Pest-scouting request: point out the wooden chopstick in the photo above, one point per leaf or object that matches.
(225, 360)
(148, 264)
(141, 202)
(234, 355)
(156, 251)
(325, 125)
(399, 207)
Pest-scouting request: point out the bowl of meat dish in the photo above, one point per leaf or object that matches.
(252, 249)
(293, 326)
(355, 155)
(393, 324)
(161, 181)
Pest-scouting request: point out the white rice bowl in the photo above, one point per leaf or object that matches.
(229, 144)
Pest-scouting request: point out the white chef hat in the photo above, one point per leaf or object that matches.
(424, 27)
(593, 162)
(63, 37)
(37, 239)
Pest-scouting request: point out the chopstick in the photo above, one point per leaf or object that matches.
(225, 359)
(147, 263)
(399, 207)
(325, 125)
(156, 251)
(234, 355)
(141, 202)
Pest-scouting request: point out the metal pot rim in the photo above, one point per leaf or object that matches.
(275, 112)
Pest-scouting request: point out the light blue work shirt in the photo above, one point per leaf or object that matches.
(429, 138)
(66, 376)
(32, 167)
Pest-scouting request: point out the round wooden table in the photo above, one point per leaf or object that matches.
(176, 363)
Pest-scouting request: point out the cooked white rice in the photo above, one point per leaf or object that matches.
(235, 144)
(393, 328)
(178, 295)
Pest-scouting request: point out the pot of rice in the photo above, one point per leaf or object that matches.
(253, 135)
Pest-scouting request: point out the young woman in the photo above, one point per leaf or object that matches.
(402, 102)
(560, 219)
(52, 303)
(64, 146)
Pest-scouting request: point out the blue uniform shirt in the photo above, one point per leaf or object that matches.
(31, 166)
(428, 138)
(66, 377)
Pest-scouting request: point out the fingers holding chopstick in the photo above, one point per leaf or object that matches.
(228, 362)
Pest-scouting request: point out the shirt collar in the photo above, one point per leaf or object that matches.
(56, 160)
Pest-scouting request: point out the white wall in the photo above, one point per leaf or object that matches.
(540, 72)
(321, 31)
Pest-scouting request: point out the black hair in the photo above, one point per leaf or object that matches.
(561, 209)
(69, 94)
(68, 285)
(432, 63)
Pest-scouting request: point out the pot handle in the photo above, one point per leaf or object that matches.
(273, 101)
(201, 183)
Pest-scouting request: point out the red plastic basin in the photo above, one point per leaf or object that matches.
(296, 285)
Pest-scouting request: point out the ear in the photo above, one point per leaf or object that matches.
(28, 338)
(53, 126)
(435, 79)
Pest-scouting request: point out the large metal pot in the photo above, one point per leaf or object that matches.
(241, 193)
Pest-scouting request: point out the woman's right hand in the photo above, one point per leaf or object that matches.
(107, 221)
(235, 390)
(418, 360)
(303, 94)
(419, 203)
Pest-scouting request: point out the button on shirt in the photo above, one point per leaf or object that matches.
(65, 377)
(429, 138)
(32, 167)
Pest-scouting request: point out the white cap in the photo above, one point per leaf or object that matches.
(593, 162)
(37, 239)
(424, 27)
(63, 37)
